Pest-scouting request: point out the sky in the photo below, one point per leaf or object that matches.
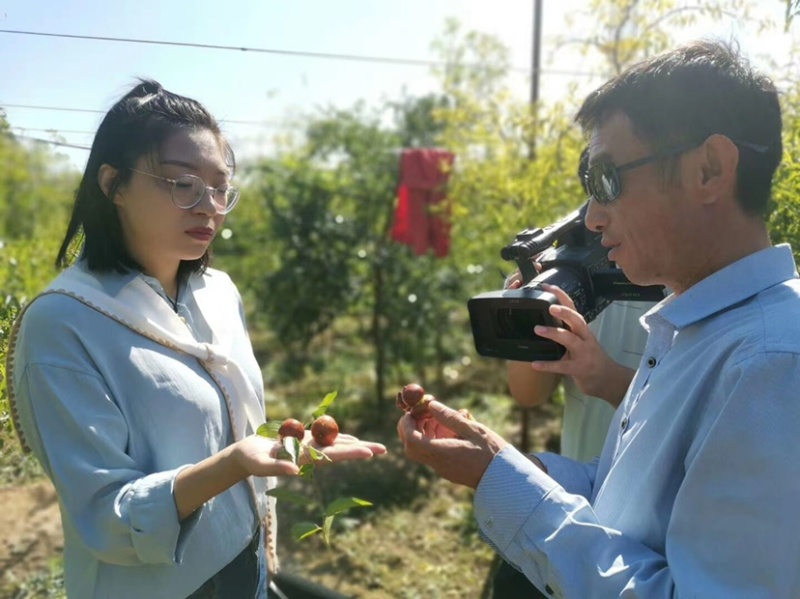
(269, 90)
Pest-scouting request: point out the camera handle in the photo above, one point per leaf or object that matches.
(532, 242)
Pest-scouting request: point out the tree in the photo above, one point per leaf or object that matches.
(34, 199)
(792, 10)
(35, 188)
(625, 31)
(319, 222)
(496, 189)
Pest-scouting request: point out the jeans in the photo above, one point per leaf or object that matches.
(510, 583)
(243, 578)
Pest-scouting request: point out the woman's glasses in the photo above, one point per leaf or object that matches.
(188, 190)
(603, 181)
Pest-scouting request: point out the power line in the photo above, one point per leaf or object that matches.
(51, 142)
(60, 108)
(67, 109)
(306, 54)
(51, 130)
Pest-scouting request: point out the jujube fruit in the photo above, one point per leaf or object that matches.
(422, 410)
(413, 400)
(324, 430)
(412, 394)
(292, 428)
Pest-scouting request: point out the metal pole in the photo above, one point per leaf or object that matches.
(536, 63)
(536, 55)
(524, 437)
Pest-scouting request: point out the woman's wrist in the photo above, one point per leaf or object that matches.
(233, 463)
(200, 482)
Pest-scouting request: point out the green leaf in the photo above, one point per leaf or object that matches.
(269, 429)
(343, 504)
(326, 529)
(303, 530)
(290, 450)
(326, 403)
(307, 471)
(317, 455)
(283, 494)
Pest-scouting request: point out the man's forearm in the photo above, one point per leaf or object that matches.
(529, 387)
(615, 385)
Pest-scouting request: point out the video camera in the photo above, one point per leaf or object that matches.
(572, 258)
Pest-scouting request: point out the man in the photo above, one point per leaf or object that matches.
(696, 490)
(595, 371)
(595, 374)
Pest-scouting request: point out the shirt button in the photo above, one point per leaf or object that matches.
(651, 362)
(624, 424)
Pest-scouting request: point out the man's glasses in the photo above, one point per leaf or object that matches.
(602, 180)
(187, 191)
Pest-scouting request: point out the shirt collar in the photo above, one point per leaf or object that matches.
(733, 284)
(156, 286)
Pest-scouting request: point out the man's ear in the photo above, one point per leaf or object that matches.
(105, 178)
(717, 160)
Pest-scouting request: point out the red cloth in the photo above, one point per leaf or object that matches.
(422, 215)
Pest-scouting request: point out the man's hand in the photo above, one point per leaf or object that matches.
(456, 448)
(594, 372)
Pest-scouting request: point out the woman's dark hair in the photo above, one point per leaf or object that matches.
(691, 93)
(136, 126)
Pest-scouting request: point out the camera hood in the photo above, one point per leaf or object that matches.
(503, 321)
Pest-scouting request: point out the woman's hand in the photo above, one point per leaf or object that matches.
(345, 448)
(257, 455)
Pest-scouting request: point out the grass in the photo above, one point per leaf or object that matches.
(410, 545)
(45, 584)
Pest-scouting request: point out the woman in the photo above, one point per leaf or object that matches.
(132, 378)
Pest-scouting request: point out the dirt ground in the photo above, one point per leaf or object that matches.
(31, 528)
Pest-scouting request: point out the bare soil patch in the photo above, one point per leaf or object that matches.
(31, 525)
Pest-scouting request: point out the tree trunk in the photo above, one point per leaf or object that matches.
(378, 339)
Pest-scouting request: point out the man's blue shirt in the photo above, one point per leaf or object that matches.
(697, 490)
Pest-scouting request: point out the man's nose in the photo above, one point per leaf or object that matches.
(596, 216)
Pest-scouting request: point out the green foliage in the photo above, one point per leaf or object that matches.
(35, 189)
(792, 10)
(327, 402)
(501, 183)
(312, 242)
(332, 303)
(46, 584)
(21, 275)
(294, 450)
(299, 217)
(784, 225)
(625, 31)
